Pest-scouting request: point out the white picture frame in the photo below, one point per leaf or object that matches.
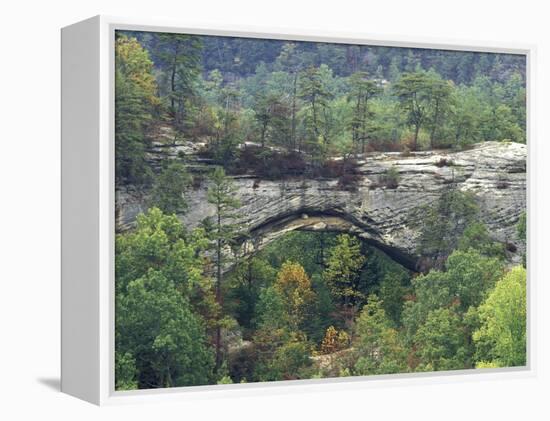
(88, 213)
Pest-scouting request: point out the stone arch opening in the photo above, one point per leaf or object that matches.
(331, 220)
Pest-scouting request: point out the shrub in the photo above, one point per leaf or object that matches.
(444, 162)
(390, 179)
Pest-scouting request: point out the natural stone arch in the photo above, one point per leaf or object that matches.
(495, 172)
(320, 221)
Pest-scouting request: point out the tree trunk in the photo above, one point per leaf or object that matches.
(219, 295)
(434, 125)
(416, 130)
(173, 81)
(293, 123)
(264, 130)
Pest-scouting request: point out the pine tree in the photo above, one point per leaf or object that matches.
(362, 91)
(314, 92)
(180, 53)
(413, 92)
(343, 272)
(221, 194)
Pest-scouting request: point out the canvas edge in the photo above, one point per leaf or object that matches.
(80, 336)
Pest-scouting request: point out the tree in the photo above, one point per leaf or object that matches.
(135, 101)
(471, 276)
(465, 283)
(342, 274)
(477, 237)
(441, 342)
(289, 361)
(160, 242)
(392, 293)
(334, 340)
(378, 345)
(501, 338)
(272, 116)
(413, 92)
(465, 115)
(226, 131)
(169, 187)
(442, 223)
(294, 286)
(155, 323)
(221, 194)
(125, 371)
(313, 91)
(181, 54)
(362, 91)
(282, 350)
(440, 93)
(522, 226)
(290, 59)
(247, 282)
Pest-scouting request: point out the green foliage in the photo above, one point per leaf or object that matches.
(247, 282)
(273, 118)
(465, 283)
(289, 361)
(225, 380)
(439, 111)
(501, 338)
(442, 342)
(477, 237)
(378, 345)
(125, 371)
(392, 292)
(276, 109)
(180, 55)
(342, 274)
(310, 248)
(160, 242)
(444, 222)
(169, 188)
(158, 272)
(224, 233)
(413, 90)
(314, 92)
(390, 179)
(155, 322)
(362, 91)
(472, 275)
(522, 227)
(322, 99)
(135, 100)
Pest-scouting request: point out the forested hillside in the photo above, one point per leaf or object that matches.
(191, 311)
(319, 99)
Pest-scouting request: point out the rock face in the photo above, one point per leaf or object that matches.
(374, 210)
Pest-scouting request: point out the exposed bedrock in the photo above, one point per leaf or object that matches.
(385, 217)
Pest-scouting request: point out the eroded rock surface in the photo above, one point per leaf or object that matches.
(495, 172)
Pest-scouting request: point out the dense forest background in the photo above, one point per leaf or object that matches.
(310, 305)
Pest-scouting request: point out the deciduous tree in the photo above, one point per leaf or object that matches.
(135, 100)
(501, 338)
